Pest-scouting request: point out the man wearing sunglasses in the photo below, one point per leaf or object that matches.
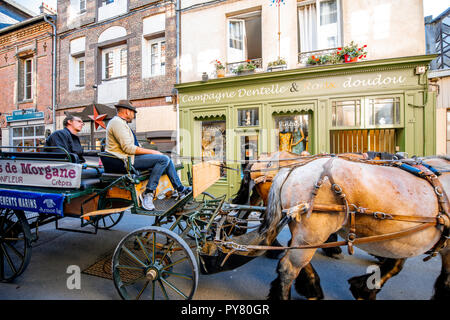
(67, 138)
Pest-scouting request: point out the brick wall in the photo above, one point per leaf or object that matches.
(36, 40)
(138, 88)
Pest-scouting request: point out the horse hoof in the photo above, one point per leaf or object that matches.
(359, 290)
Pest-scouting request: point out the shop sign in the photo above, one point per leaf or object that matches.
(25, 114)
(323, 85)
(40, 174)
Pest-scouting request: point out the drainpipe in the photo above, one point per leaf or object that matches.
(53, 17)
(177, 10)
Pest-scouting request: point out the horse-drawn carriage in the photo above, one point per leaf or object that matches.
(206, 234)
(38, 188)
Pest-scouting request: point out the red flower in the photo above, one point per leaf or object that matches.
(364, 46)
(339, 48)
(313, 57)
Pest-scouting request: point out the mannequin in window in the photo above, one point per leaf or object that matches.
(298, 144)
(285, 137)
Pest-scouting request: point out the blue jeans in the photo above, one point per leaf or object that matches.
(160, 164)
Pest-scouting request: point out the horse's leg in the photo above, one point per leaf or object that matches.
(307, 283)
(388, 269)
(333, 252)
(288, 270)
(442, 284)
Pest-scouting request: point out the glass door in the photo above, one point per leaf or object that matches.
(248, 149)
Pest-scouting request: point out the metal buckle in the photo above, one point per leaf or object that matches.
(337, 189)
(381, 215)
(351, 237)
(438, 191)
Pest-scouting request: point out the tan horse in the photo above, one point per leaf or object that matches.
(379, 188)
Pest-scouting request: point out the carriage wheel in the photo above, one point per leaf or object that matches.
(15, 244)
(156, 264)
(110, 220)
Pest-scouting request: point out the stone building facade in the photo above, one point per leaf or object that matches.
(119, 49)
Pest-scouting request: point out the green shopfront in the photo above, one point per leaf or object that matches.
(378, 105)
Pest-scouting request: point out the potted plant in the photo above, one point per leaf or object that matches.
(351, 53)
(245, 68)
(279, 64)
(320, 59)
(220, 69)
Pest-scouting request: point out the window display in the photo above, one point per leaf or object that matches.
(32, 136)
(292, 132)
(214, 142)
(384, 111)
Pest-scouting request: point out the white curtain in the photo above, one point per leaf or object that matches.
(236, 40)
(307, 18)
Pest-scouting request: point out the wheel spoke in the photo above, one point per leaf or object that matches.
(153, 290)
(163, 289)
(8, 259)
(171, 286)
(15, 251)
(131, 254)
(130, 267)
(2, 266)
(174, 263)
(143, 248)
(179, 275)
(126, 284)
(142, 290)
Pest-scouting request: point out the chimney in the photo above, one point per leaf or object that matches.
(44, 8)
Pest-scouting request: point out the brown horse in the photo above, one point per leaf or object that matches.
(254, 189)
(379, 188)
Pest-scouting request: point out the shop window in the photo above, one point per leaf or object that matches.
(248, 117)
(383, 111)
(346, 113)
(32, 136)
(318, 23)
(214, 142)
(292, 132)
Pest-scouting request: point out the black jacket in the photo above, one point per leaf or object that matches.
(67, 140)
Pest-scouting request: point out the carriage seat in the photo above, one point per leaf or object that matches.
(115, 166)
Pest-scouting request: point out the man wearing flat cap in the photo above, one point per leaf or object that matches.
(121, 141)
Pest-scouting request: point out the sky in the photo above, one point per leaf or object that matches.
(430, 7)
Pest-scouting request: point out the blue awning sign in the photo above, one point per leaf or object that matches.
(48, 203)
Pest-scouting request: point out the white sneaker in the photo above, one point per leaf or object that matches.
(147, 201)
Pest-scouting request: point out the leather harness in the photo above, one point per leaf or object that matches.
(351, 211)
